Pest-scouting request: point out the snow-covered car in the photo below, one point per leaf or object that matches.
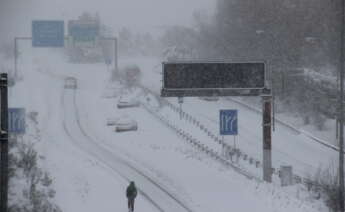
(127, 102)
(125, 124)
(71, 83)
(131, 74)
(112, 121)
(210, 98)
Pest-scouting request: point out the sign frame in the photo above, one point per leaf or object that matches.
(201, 92)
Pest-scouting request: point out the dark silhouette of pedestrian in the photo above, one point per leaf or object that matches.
(131, 194)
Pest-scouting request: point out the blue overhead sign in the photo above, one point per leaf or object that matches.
(16, 120)
(83, 31)
(228, 122)
(48, 33)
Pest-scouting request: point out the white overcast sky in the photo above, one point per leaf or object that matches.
(141, 15)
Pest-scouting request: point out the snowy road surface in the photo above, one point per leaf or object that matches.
(89, 162)
(162, 199)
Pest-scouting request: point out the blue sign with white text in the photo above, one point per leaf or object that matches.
(228, 122)
(83, 32)
(48, 33)
(16, 120)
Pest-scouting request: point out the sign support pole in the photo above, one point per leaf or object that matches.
(223, 146)
(3, 144)
(267, 138)
(16, 39)
(235, 141)
(341, 111)
(116, 55)
(180, 101)
(15, 58)
(115, 71)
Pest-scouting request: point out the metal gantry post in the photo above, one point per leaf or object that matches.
(3, 144)
(16, 52)
(267, 137)
(115, 71)
(341, 112)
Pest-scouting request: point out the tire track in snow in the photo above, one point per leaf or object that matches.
(73, 127)
(100, 160)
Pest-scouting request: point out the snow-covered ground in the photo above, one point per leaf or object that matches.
(91, 164)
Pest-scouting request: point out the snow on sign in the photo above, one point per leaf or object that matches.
(228, 122)
(16, 120)
(48, 33)
(212, 78)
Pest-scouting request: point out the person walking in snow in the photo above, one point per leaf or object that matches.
(131, 194)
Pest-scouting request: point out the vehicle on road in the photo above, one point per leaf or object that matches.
(125, 124)
(70, 83)
(131, 74)
(125, 102)
(210, 98)
(112, 121)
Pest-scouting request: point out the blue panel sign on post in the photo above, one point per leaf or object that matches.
(16, 120)
(48, 33)
(228, 122)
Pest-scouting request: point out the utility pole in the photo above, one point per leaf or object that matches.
(341, 112)
(3, 144)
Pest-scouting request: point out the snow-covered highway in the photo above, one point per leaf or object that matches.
(155, 193)
(91, 163)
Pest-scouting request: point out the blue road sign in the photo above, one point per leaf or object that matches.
(83, 31)
(48, 33)
(228, 122)
(16, 120)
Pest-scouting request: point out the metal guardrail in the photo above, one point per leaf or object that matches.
(202, 147)
(233, 152)
(320, 141)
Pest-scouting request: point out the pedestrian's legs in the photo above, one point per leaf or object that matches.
(131, 204)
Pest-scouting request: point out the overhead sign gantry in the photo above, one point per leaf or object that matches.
(200, 79)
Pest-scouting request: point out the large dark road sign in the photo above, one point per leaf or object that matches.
(48, 33)
(213, 78)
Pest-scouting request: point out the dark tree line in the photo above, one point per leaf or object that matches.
(290, 34)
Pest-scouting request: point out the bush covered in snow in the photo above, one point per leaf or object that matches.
(29, 186)
(327, 183)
